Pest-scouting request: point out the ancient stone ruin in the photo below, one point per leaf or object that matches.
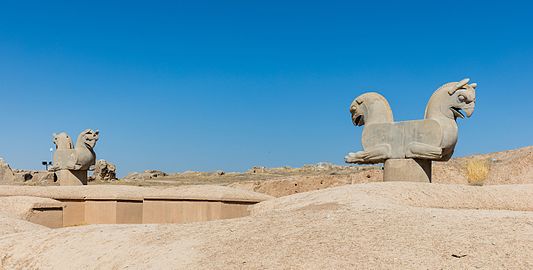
(72, 163)
(104, 171)
(408, 148)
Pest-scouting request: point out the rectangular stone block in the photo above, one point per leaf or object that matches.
(100, 212)
(71, 178)
(187, 211)
(408, 170)
(73, 212)
(129, 212)
(234, 210)
(51, 217)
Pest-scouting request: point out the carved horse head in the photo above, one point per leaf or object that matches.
(451, 100)
(87, 138)
(370, 108)
(62, 141)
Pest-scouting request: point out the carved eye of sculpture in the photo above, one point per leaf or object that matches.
(461, 98)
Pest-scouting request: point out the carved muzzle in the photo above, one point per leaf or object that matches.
(465, 96)
(358, 117)
(91, 137)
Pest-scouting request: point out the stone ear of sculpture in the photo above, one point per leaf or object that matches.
(458, 86)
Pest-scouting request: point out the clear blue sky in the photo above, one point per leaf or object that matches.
(207, 85)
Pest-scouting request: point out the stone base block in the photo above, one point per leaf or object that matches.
(74, 212)
(71, 178)
(113, 212)
(186, 211)
(409, 170)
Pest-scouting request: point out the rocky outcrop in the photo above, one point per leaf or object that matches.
(35, 177)
(104, 170)
(6, 174)
(148, 174)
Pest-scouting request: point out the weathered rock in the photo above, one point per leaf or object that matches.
(104, 170)
(6, 174)
(257, 169)
(148, 174)
(47, 178)
(37, 177)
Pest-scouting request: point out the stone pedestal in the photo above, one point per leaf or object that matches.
(72, 178)
(409, 170)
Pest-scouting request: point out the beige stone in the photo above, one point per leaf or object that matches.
(104, 170)
(414, 170)
(51, 217)
(129, 212)
(77, 160)
(433, 138)
(113, 211)
(72, 177)
(158, 210)
(134, 205)
(73, 212)
(6, 173)
(42, 211)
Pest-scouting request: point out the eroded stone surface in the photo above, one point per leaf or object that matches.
(104, 170)
(6, 173)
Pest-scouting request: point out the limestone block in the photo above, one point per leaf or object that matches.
(129, 212)
(113, 211)
(186, 211)
(74, 212)
(51, 217)
(72, 177)
(100, 212)
(411, 170)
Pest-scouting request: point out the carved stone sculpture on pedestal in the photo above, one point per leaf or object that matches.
(408, 148)
(72, 163)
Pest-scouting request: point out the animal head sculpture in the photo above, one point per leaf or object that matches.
(88, 138)
(62, 141)
(451, 100)
(370, 108)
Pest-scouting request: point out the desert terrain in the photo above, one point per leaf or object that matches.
(507, 167)
(372, 225)
(319, 217)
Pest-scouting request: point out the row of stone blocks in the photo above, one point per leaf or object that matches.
(73, 212)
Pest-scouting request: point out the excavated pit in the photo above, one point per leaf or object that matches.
(56, 207)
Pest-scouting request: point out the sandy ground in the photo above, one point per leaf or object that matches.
(10, 225)
(362, 226)
(20, 207)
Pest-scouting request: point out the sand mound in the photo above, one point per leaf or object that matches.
(10, 225)
(21, 206)
(397, 194)
(385, 225)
